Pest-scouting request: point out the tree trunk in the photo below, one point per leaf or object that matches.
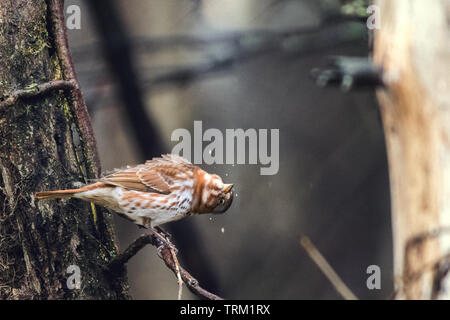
(413, 48)
(46, 142)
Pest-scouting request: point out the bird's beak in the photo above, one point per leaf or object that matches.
(227, 188)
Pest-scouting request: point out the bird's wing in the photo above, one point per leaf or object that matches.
(129, 178)
(170, 160)
(157, 175)
(167, 170)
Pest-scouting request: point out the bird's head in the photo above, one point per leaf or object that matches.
(224, 198)
(212, 196)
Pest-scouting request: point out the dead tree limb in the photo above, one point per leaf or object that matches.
(35, 90)
(413, 49)
(165, 253)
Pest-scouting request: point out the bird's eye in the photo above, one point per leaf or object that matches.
(221, 201)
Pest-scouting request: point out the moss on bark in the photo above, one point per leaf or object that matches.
(41, 148)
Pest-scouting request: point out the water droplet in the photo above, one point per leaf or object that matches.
(222, 230)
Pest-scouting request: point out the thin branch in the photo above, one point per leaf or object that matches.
(167, 251)
(291, 43)
(36, 90)
(134, 248)
(241, 47)
(233, 38)
(327, 270)
(177, 269)
(349, 73)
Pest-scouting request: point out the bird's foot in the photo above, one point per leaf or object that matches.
(166, 245)
(160, 249)
(158, 231)
(164, 239)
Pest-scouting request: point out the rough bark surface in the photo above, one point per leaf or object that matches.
(42, 147)
(412, 47)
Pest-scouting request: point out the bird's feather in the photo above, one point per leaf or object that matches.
(156, 175)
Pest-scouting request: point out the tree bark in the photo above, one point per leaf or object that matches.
(46, 142)
(412, 47)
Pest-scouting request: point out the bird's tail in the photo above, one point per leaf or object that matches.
(68, 193)
(56, 194)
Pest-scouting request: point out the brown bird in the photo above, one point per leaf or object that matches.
(161, 190)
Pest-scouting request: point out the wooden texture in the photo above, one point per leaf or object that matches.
(46, 143)
(413, 48)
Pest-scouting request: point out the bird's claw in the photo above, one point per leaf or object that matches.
(163, 233)
(175, 250)
(163, 246)
(159, 250)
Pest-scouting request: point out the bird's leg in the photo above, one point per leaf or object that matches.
(162, 243)
(165, 234)
(164, 237)
(147, 223)
(167, 244)
(165, 241)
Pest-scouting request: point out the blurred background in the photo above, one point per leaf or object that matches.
(148, 67)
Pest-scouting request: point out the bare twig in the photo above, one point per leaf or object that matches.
(349, 73)
(291, 43)
(242, 47)
(33, 91)
(327, 270)
(231, 39)
(134, 248)
(177, 269)
(167, 254)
